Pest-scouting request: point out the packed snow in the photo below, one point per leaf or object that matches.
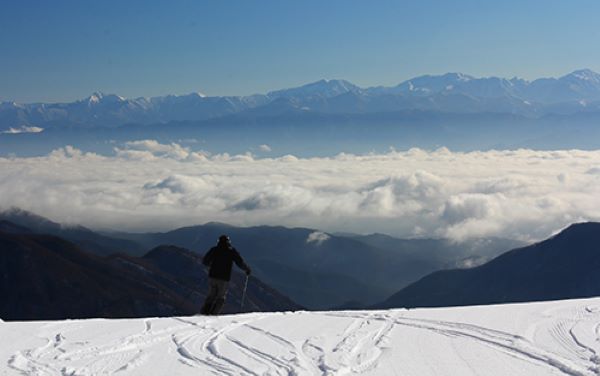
(550, 338)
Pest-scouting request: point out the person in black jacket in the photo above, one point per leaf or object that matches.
(220, 259)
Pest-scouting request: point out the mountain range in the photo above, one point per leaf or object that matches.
(573, 93)
(49, 277)
(45, 277)
(315, 269)
(330, 270)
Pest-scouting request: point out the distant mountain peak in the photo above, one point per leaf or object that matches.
(431, 84)
(26, 218)
(447, 76)
(459, 76)
(584, 75)
(98, 97)
(325, 87)
(195, 94)
(94, 98)
(330, 82)
(218, 224)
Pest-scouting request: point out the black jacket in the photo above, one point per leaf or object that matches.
(220, 259)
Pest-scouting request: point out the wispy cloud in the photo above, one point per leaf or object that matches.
(521, 194)
(23, 129)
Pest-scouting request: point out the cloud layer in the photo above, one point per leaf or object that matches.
(146, 185)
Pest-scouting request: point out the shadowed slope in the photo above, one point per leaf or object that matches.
(564, 266)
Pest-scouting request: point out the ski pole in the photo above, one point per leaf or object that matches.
(244, 293)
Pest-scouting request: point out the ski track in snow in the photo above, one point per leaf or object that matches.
(553, 338)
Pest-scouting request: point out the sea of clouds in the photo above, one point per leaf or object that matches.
(145, 185)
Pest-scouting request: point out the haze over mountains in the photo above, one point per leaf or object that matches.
(314, 269)
(44, 275)
(562, 267)
(576, 92)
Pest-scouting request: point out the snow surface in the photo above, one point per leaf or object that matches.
(550, 338)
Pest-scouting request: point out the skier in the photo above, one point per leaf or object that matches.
(220, 260)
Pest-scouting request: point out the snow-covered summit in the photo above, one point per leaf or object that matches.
(575, 92)
(99, 97)
(584, 75)
(323, 88)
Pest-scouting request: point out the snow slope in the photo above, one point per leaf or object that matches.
(549, 338)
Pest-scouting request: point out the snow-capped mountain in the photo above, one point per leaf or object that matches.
(581, 85)
(103, 99)
(424, 85)
(322, 89)
(576, 92)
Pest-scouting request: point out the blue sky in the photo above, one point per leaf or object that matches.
(64, 50)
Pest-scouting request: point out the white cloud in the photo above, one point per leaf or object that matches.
(23, 129)
(317, 237)
(520, 194)
(147, 150)
(264, 147)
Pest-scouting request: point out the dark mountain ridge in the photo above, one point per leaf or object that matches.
(48, 278)
(317, 273)
(89, 240)
(562, 267)
(336, 269)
